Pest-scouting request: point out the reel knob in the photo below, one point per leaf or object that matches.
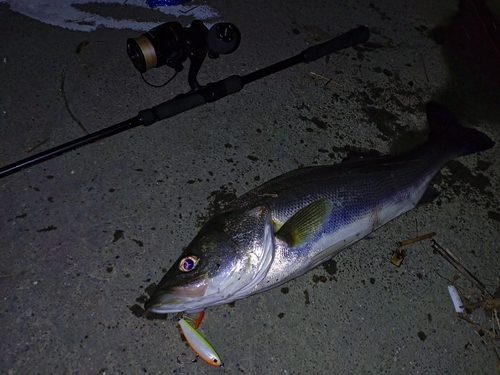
(223, 38)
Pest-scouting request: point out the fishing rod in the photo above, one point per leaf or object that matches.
(171, 44)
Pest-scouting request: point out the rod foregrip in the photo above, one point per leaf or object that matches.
(170, 108)
(349, 39)
(184, 102)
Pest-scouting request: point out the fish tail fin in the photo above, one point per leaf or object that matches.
(463, 141)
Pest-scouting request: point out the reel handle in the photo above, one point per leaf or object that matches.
(223, 38)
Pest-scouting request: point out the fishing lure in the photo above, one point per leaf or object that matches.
(198, 343)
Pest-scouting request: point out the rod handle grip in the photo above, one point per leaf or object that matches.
(185, 102)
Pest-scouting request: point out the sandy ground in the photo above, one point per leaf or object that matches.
(84, 234)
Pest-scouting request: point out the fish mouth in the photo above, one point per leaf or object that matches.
(170, 299)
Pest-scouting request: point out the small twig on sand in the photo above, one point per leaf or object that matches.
(326, 79)
(494, 336)
(417, 239)
(29, 149)
(450, 257)
(489, 304)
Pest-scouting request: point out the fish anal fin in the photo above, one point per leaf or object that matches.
(429, 196)
(305, 222)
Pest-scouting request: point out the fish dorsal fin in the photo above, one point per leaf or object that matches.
(305, 222)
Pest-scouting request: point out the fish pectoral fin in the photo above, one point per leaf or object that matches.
(305, 222)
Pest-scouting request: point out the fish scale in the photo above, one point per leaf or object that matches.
(355, 213)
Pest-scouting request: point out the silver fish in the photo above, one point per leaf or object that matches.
(294, 222)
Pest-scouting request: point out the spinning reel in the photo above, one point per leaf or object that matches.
(171, 44)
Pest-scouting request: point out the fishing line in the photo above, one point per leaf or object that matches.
(163, 84)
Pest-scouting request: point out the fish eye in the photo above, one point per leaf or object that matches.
(188, 263)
